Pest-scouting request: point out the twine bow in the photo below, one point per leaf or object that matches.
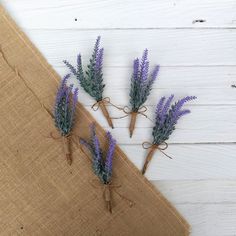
(161, 147)
(127, 110)
(102, 104)
(97, 104)
(153, 147)
(107, 196)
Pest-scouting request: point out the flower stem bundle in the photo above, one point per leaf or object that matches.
(167, 116)
(141, 85)
(64, 114)
(92, 80)
(102, 162)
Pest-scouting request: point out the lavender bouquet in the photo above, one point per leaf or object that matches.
(102, 166)
(64, 114)
(92, 80)
(141, 85)
(167, 116)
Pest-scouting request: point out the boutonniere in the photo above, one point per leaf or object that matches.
(92, 80)
(141, 85)
(64, 114)
(167, 116)
(102, 161)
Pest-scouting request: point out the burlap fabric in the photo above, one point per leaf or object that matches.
(40, 193)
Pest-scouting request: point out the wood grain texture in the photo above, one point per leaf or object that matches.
(196, 58)
(210, 219)
(203, 191)
(170, 77)
(190, 162)
(168, 47)
(209, 205)
(83, 14)
(203, 125)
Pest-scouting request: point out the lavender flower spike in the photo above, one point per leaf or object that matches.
(92, 80)
(141, 85)
(110, 154)
(64, 113)
(102, 166)
(167, 116)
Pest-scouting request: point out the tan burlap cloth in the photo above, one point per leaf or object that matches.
(40, 194)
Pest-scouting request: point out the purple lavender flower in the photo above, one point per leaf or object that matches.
(79, 63)
(62, 88)
(135, 69)
(64, 109)
(102, 166)
(99, 59)
(160, 105)
(110, 154)
(92, 80)
(167, 117)
(165, 108)
(96, 46)
(95, 142)
(141, 85)
(155, 73)
(144, 67)
(74, 102)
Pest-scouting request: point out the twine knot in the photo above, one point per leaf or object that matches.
(107, 188)
(97, 104)
(161, 147)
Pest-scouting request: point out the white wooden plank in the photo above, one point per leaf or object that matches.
(204, 124)
(210, 219)
(61, 14)
(202, 77)
(190, 162)
(198, 191)
(206, 96)
(167, 47)
(211, 88)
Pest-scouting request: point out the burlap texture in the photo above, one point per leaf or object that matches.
(40, 193)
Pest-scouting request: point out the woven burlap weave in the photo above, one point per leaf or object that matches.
(40, 193)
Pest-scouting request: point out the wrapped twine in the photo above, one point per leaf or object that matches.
(66, 145)
(108, 190)
(133, 115)
(102, 165)
(66, 148)
(152, 149)
(102, 104)
(107, 197)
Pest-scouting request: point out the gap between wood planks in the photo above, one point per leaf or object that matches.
(133, 29)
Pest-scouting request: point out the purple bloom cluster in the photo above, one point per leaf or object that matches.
(92, 80)
(167, 116)
(64, 110)
(102, 167)
(110, 154)
(141, 85)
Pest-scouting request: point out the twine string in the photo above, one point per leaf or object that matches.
(125, 109)
(161, 147)
(106, 100)
(128, 111)
(18, 74)
(113, 187)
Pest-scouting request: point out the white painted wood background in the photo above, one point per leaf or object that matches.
(196, 58)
